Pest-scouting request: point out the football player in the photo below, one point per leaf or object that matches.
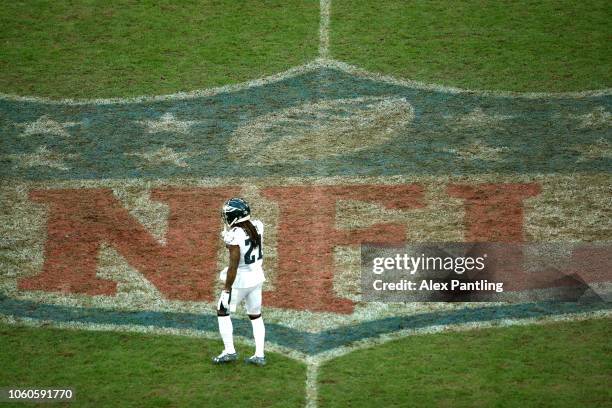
(243, 279)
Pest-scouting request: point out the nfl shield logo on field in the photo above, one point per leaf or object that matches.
(111, 208)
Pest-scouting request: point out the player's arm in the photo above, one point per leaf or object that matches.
(234, 252)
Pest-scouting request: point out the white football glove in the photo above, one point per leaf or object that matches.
(224, 300)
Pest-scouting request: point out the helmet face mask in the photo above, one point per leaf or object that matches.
(235, 210)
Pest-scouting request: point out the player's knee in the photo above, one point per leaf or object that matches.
(254, 316)
(222, 312)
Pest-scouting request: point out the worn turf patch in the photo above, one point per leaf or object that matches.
(125, 48)
(556, 365)
(521, 46)
(121, 369)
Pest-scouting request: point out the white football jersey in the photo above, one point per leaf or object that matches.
(250, 270)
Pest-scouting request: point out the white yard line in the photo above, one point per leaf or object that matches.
(312, 390)
(325, 10)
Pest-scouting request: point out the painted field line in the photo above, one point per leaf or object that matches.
(163, 331)
(325, 10)
(360, 72)
(293, 353)
(312, 390)
(459, 327)
(290, 73)
(301, 69)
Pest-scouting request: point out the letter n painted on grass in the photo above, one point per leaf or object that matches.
(308, 237)
(81, 220)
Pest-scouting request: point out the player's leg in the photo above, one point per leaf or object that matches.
(253, 306)
(226, 329)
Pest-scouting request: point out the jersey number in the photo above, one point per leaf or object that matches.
(248, 258)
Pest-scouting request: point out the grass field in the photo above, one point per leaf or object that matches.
(100, 49)
(548, 45)
(91, 49)
(112, 369)
(556, 365)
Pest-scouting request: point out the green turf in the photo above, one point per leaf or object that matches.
(555, 365)
(543, 45)
(113, 369)
(98, 48)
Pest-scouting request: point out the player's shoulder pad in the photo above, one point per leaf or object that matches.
(238, 232)
(231, 236)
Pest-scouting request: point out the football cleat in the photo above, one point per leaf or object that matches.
(258, 361)
(225, 358)
(236, 210)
